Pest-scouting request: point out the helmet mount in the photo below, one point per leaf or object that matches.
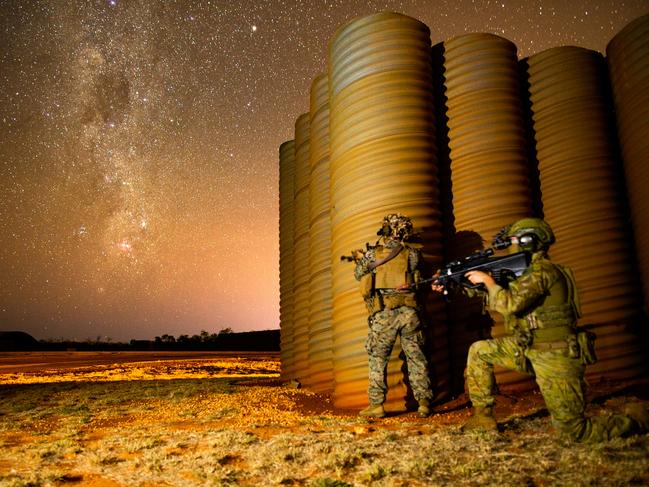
(396, 226)
(527, 242)
(530, 234)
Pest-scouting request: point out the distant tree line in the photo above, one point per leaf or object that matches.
(224, 340)
(205, 338)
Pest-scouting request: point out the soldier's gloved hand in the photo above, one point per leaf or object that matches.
(403, 287)
(358, 254)
(438, 288)
(479, 277)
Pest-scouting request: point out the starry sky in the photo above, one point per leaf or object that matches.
(139, 148)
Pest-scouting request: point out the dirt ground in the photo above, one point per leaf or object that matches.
(15, 362)
(62, 366)
(228, 419)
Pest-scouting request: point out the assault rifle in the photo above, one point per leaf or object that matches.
(357, 254)
(502, 269)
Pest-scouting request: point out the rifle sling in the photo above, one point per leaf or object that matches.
(393, 253)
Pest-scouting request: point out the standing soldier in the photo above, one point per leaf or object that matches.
(541, 308)
(387, 273)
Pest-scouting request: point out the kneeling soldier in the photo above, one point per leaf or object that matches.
(541, 308)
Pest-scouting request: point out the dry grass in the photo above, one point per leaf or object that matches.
(215, 430)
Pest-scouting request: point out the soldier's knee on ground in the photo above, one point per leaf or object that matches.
(595, 429)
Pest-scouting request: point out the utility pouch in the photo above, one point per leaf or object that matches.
(573, 347)
(367, 285)
(586, 341)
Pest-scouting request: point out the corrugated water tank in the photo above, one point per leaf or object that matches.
(320, 307)
(301, 243)
(583, 199)
(382, 161)
(488, 165)
(628, 65)
(286, 220)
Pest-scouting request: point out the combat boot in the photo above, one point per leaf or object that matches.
(373, 411)
(638, 412)
(424, 408)
(482, 419)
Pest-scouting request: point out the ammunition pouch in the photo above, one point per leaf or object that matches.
(586, 343)
(580, 345)
(557, 338)
(551, 317)
(396, 300)
(381, 300)
(374, 303)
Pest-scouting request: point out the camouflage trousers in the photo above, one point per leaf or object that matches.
(384, 327)
(560, 380)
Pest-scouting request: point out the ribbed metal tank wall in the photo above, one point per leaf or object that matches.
(286, 278)
(628, 63)
(320, 308)
(489, 169)
(301, 244)
(382, 161)
(583, 199)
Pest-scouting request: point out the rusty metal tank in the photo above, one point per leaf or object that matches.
(489, 172)
(583, 200)
(628, 66)
(301, 242)
(320, 307)
(286, 195)
(382, 161)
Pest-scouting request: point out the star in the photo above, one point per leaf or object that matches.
(139, 147)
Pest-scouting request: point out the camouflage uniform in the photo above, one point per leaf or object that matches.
(393, 314)
(541, 309)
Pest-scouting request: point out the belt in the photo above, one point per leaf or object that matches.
(387, 291)
(549, 345)
(552, 334)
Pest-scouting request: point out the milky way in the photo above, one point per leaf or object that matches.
(139, 148)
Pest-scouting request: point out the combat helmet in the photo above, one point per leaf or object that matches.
(531, 234)
(397, 226)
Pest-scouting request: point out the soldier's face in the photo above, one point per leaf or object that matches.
(524, 243)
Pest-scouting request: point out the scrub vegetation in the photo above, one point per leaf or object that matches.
(235, 423)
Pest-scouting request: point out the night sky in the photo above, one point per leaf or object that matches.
(139, 148)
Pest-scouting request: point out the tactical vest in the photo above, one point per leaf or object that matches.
(378, 286)
(556, 316)
(394, 272)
